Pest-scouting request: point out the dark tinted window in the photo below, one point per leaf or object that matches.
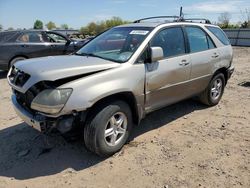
(6, 36)
(197, 39)
(219, 34)
(171, 40)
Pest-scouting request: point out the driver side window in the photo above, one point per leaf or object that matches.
(171, 40)
(52, 37)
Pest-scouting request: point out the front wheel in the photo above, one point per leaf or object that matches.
(108, 129)
(214, 91)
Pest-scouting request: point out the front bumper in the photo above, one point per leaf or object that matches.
(45, 124)
(37, 122)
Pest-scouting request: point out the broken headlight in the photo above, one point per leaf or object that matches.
(51, 101)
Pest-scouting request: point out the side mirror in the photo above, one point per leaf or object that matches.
(68, 42)
(156, 54)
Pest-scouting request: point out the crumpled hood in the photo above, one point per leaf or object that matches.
(58, 67)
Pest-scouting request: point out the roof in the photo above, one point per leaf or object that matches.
(155, 24)
(171, 20)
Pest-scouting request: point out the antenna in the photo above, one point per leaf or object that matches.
(181, 13)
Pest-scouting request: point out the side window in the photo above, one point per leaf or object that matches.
(30, 37)
(210, 43)
(219, 34)
(52, 37)
(171, 40)
(198, 39)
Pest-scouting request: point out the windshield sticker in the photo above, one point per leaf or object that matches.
(138, 32)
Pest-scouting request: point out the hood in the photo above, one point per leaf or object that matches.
(59, 67)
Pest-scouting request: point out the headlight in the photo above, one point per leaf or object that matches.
(51, 101)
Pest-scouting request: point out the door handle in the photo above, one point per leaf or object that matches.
(184, 62)
(25, 45)
(215, 55)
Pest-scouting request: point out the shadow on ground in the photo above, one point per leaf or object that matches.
(26, 153)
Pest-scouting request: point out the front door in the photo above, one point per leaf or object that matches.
(167, 80)
(59, 45)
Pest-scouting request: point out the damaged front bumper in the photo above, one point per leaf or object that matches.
(46, 124)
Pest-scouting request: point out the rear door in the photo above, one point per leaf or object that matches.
(166, 79)
(30, 44)
(204, 56)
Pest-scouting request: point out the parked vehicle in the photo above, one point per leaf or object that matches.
(25, 44)
(117, 78)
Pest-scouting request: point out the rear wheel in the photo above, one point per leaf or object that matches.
(214, 91)
(108, 129)
(16, 59)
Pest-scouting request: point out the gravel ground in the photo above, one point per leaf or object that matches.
(184, 145)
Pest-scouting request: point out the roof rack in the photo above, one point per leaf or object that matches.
(196, 19)
(176, 18)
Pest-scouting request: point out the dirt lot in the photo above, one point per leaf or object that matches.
(184, 145)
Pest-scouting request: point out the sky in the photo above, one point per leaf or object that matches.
(78, 13)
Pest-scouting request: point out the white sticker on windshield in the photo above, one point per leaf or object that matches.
(138, 32)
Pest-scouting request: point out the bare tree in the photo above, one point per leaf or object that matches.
(224, 19)
(246, 18)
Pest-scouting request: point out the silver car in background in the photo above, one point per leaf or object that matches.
(123, 74)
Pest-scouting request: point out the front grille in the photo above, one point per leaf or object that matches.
(25, 99)
(17, 77)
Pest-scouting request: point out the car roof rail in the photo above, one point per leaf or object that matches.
(197, 20)
(175, 18)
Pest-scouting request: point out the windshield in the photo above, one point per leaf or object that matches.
(117, 44)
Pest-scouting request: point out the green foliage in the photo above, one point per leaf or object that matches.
(38, 24)
(51, 25)
(64, 26)
(94, 28)
(1, 27)
(10, 29)
(229, 26)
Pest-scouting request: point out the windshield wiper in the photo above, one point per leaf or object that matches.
(87, 54)
(94, 55)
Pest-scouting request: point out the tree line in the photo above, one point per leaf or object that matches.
(50, 25)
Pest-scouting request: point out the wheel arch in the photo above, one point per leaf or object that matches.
(127, 97)
(16, 57)
(222, 70)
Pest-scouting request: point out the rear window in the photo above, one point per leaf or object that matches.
(219, 34)
(6, 36)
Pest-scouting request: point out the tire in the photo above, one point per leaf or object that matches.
(115, 119)
(13, 61)
(212, 94)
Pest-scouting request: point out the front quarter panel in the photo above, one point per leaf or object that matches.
(88, 90)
